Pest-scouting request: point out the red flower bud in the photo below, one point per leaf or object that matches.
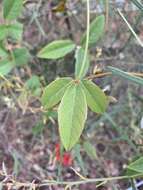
(65, 159)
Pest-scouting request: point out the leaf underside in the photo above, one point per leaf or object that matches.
(5, 67)
(72, 114)
(96, 99)
(54, 92)
(96, 30)
(56, 49)
(137, 165)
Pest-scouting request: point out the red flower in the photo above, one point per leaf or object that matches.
(65, 159)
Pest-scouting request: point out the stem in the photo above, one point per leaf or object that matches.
(87, 39)
(68, 183)
(110, 73)
(131, 35)
(107, 14)
(131, 29)
(90, 180)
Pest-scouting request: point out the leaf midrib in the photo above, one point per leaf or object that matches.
(51, 48)
(72, 116)
(59, 48)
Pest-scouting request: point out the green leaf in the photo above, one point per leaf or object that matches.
(12, 9)
(79, 158)
(15, 30)
(57, 49)
(130, 172)
(125, 75)
(90, 150)
(33, 83)
(72, 114)
(5, 67)
(137, 165)
(96, 30)
(3, 52)
(34, 86)
(79, 74)
(3, 31)
(54, 92)
(21, 56)
(96, 99)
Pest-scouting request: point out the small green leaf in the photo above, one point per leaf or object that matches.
(90, 150)
(12, 9)
(15, 30)
(33, 83)
(57, 49)
(96, 99)
(137, 165)
(3, 52)
(54, 92)
(78, 65)
(96, 30)
(5, 67)
(21, 56)
(123, 74)
(72, 114)
(3, 31)
(79, 158)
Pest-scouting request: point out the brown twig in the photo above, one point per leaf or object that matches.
(100, 75)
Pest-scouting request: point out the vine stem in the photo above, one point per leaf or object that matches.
(68, 183)
(91, 180)
(87, 38)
